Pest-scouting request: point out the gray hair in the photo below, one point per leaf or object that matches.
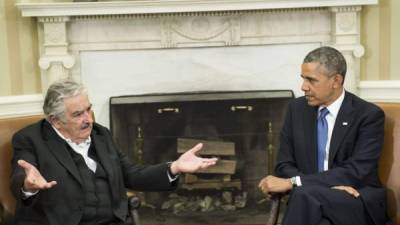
(332, 61)
(57, 93)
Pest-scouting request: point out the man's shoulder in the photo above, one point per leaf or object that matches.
(32, 131)
(100, 129)
(361, 104)
(299, 102)
(33, 127)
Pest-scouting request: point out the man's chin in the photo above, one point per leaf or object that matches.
(312, 103)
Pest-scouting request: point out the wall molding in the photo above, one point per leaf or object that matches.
(380, 90)
(172, 6)
(21, 105)
(27, 105)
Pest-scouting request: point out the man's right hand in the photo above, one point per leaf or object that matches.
(273, 184)
(34, 181)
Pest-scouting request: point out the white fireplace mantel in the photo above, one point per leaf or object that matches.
(173, 6)
(66, 29)
(74, 35)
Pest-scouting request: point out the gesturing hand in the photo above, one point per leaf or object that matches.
(34, 181)
(189, 162)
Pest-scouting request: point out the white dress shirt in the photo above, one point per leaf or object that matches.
(331, 118)
(82, 149)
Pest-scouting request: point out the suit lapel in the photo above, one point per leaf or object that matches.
(102, 155)
(58, 148)
(310, 135)
(343, 122)
(105, 160)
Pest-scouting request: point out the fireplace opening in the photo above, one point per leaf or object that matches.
(240, 128)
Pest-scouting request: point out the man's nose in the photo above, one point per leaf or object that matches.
(304, 86)
(89, 116)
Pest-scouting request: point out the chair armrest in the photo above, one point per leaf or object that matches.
(5, 217)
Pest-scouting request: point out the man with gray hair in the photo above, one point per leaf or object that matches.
(330, 144)
(68, 171)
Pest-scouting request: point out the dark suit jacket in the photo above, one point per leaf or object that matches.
(354, 151)
(63, 204)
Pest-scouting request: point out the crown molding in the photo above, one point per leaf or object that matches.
(42, 9)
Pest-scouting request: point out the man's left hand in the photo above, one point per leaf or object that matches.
(189, 162)
(352, 191)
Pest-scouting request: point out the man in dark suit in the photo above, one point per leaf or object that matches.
(68, 171)
(330, 144)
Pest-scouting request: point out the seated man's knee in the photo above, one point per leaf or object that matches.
(306, 192)
(324, 221)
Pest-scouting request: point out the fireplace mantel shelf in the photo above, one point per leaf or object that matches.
(43, 9)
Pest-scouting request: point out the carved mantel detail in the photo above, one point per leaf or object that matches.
(70, 28)
(200, 30)
(55, 60)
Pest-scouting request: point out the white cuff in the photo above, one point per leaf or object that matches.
(172, 179)
(298, 181)
(27, 194)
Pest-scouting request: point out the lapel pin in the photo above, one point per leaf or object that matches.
(345, 123)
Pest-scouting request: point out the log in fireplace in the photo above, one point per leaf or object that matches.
(241, 128)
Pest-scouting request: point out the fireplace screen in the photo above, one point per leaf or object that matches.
(240, 128)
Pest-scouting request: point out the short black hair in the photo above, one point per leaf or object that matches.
(332, 61)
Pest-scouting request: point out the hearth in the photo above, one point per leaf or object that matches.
(241, 128)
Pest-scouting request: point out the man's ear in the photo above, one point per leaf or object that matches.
(55, 121)
(338, 81)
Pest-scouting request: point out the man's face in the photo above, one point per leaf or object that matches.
(78, 122)
(319, 88)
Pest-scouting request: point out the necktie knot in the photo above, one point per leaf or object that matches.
(323, 112)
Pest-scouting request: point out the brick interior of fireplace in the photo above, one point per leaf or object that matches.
(151, 128)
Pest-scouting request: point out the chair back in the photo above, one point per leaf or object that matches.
(389, 163)
(7, 129)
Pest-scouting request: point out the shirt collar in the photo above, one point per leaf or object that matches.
(335, 106)
(69, 141)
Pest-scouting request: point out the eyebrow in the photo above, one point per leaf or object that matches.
(307, 77)
(80, 111)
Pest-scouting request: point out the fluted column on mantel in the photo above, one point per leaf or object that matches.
(346, 38)
(55, 60)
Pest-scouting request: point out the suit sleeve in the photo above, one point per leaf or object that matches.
(142, 177)
(146, 177)
(286, 163)
(22, 150)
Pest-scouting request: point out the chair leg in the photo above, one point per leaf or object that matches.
(274, 210)
(134, 205)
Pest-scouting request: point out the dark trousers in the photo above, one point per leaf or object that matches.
(315, 205)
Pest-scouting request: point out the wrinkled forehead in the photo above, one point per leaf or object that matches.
(77, 103)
